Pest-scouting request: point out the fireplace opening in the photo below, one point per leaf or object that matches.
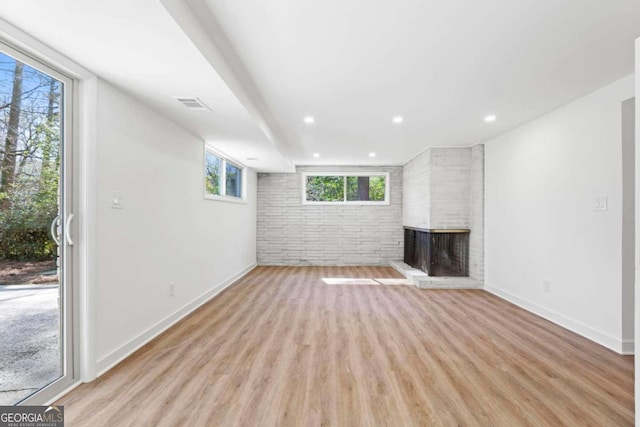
(438, 252)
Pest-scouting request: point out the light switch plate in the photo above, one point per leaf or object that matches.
(117, 201)
(600, 203)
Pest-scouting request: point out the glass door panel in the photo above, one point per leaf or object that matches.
(35, 206)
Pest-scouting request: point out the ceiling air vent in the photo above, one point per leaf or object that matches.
(194, 104)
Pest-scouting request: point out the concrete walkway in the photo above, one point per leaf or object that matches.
(29, 340)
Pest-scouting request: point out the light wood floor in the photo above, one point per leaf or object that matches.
(281, 348)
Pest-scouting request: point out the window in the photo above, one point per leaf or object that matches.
(325, 188)
(234, 180)
(345, 188)
(38, 192)
(213, 174)
(366, 188)
(223, 179)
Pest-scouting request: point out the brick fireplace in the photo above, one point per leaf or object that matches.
(443, 212)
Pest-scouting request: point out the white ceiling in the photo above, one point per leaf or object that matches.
(443, 65)
(352, 64)
(137, 46)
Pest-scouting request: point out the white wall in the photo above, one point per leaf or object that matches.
(166, 233)
(541, 181)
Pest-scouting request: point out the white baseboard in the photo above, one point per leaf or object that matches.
(628, 347)
(621, 347)
(124, 351)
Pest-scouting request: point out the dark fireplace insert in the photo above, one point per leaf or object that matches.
(438, 252)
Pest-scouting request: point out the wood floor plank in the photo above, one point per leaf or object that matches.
(282, 348)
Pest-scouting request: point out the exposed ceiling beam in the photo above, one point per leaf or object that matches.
(198, 23)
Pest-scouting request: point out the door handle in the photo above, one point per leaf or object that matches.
(67, 230)
(54, 230)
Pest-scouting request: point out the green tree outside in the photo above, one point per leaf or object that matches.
(330, 188)
(213, 174)
(30, 127)
(325, 188)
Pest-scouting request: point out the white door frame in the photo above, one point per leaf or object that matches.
(67, 207)
(636, 321)
(85, 181)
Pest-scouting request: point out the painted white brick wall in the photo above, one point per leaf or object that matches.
(415, 194)
(291, 233)
(450, 201)
(476, 213)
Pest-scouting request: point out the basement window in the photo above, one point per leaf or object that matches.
(371, 188)
(223, 178)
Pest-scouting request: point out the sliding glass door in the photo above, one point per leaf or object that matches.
(36, 230)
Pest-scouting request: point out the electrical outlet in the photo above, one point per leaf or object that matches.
(546, 285)
(172, 289)
(600, 203)
(117, 200)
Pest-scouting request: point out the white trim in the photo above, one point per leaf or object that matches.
(87, 226)
(62, 393)
(601, 338)
(636, 318)
(627, 347)
(125, 350)
(224, 198)
(345, 201)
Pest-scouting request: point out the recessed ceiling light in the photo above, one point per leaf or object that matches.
(372, 154)
(316, 154)
(309, 120)
(252, 159)
(398, 119)
(490, 118)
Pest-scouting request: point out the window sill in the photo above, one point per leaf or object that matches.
(363, 203)
(225, 199)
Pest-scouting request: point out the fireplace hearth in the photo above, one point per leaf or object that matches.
(438, 252)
